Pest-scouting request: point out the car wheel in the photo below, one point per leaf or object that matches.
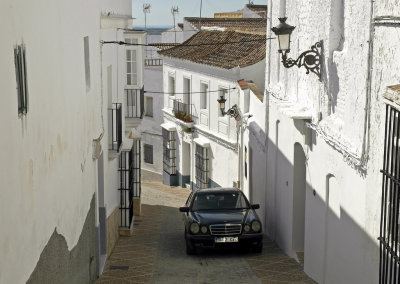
(189, 247)
(258, 248)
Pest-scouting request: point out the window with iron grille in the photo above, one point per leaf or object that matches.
(389, 231)
(148, 153)
(169, 151)
(245, 161)
(21, 76)
(202, 167)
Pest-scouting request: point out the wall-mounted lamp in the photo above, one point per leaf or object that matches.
(310, 59)
(233, 111)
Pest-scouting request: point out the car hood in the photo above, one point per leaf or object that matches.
(220, 217)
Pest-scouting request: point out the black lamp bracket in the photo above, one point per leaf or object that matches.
(310, 59)
(232, 112)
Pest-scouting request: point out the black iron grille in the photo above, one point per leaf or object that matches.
(226, 229)
(389, 231)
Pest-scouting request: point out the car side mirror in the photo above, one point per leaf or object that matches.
(184, 209)
(255, 206)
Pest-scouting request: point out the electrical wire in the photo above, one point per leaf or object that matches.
(166, 93)
(199, 44)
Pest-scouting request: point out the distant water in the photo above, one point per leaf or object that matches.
(153, 30)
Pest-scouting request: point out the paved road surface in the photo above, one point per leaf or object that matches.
(156, 251)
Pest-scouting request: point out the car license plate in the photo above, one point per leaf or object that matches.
(227, 240)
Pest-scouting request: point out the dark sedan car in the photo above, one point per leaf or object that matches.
(221, 217)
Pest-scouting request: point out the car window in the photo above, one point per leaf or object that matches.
(219, 201)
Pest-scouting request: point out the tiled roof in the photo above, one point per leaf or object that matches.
(244, 85)
(247, 50)
(233, 23)
(163, 46)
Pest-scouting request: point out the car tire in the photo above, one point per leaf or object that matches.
(258, 248)
(189, 247)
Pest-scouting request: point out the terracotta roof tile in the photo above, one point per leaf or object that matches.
(247, 50)
(234, 23)
(163, 46)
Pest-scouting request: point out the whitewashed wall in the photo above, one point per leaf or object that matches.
(342, 197)
(47, 173)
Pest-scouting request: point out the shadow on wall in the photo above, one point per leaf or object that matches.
(59, 265)
(300, 218)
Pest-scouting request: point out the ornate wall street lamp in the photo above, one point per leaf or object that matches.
(233, 111)
(310, 59)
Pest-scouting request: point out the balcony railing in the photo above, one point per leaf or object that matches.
(183, 111)
(115, 127)
(130, 182)
(153, 62)
(134, 103)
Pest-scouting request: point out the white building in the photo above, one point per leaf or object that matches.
(200, 144)
(325, 139)
(59, 180)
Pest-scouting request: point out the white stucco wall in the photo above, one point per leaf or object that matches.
(150, 127)
(342, 218)
(168, 36)
(47, 173)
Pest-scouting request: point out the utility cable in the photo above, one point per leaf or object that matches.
(199, 44)
(214, 91)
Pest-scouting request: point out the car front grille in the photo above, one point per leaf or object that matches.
(225, 229)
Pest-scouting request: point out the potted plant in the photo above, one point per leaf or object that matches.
(187, 118)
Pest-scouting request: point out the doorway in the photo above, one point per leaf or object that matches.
(299, 201)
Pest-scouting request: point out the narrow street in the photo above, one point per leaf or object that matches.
(156, 251)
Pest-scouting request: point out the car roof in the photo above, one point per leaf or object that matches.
(218, 190)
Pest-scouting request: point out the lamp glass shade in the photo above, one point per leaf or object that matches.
(221, 102)
(284, 42)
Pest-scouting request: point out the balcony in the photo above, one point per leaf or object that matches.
(183, 112)
(115, 128)
(134, 101)
(153, 62)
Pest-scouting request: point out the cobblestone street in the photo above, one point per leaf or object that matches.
(156, 251)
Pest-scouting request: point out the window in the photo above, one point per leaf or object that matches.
(131, 63)
(171, 85)
(222, 92)
(186, 90)
(203, 95)
(149, 106)
(245, 161)
(21, 75)
(202, 167)
(169, 152)
(148, 153)
(389, 232)
(87, 62)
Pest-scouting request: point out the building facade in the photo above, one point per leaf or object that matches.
(198, 139)
(325, 140)
(60, 175)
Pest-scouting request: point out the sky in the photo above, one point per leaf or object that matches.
(160, 12)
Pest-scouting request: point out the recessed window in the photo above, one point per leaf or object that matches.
(131, 63)
(148, 153)
(203, 95)
(149, 106)
(87, 62)
(171, 85)
(21, 76)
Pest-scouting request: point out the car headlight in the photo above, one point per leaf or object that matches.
(246, 228)
(256, 226)
(203, 229)
(194, 228)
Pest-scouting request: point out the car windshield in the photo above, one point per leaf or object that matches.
(219, 201)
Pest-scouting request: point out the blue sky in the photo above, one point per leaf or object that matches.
(160, 13)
